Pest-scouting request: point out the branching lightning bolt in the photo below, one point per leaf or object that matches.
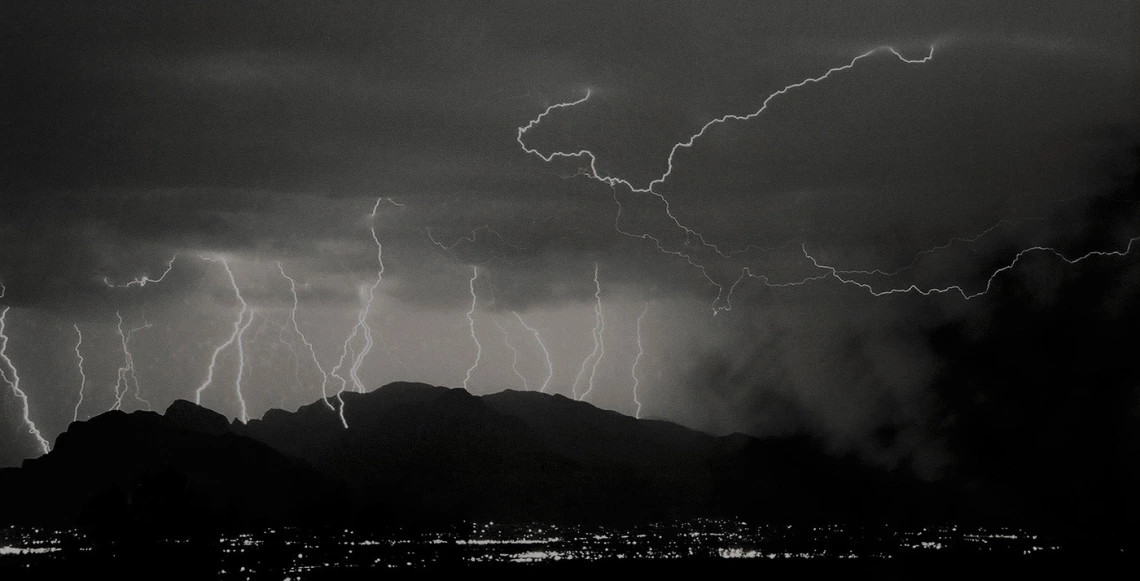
(545, 352)
(13, 380)
(839, 274)
(599, 344)
(471, 325)
(636, 360)
(763, 278)
(843, 276)
(82, 375)
(305, 340)
(688, 143)
(362, 327)
(126, 376)
(592, 171)
(940, 247)
(239, 327)
(514, 352)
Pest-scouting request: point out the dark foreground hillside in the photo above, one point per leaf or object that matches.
(426, 455)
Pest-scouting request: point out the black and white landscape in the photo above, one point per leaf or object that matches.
(639, 286)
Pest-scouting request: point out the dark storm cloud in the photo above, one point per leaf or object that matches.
(420, 102)
(132, 132)
(811, 361)
(1038, 356)
(71, 241)
(1038, 391)
(347, 96)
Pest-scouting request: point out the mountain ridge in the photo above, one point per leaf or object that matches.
(427, 455)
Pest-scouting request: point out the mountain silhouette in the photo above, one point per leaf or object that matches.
(183, 471)
(416, 454)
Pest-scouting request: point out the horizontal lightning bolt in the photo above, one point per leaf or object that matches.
(940, 247)
(746, 272)
(838, 274)
(592, 171)
(449, 248)
(143, 280)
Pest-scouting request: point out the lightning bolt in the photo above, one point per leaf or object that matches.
(284, 338)
(636, 360)
(362, 327)
(599, 344)
(305, 340)
(688, 258)
(127, 372)
(471, 325)
(13, 380)
(514, 351)
(763, 278)
(266, 322)
(593, 173)
(363, 330)
(82, 375)
(839, 274)
(843, 276)
(239, 327)
(241, 367)
(545, 352)
(143, 280)
(450, 248)
(941, 247)
(390, 201)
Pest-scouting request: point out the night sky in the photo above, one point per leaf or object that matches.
(265, 133)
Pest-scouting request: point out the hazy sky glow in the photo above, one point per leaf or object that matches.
(265, 134)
